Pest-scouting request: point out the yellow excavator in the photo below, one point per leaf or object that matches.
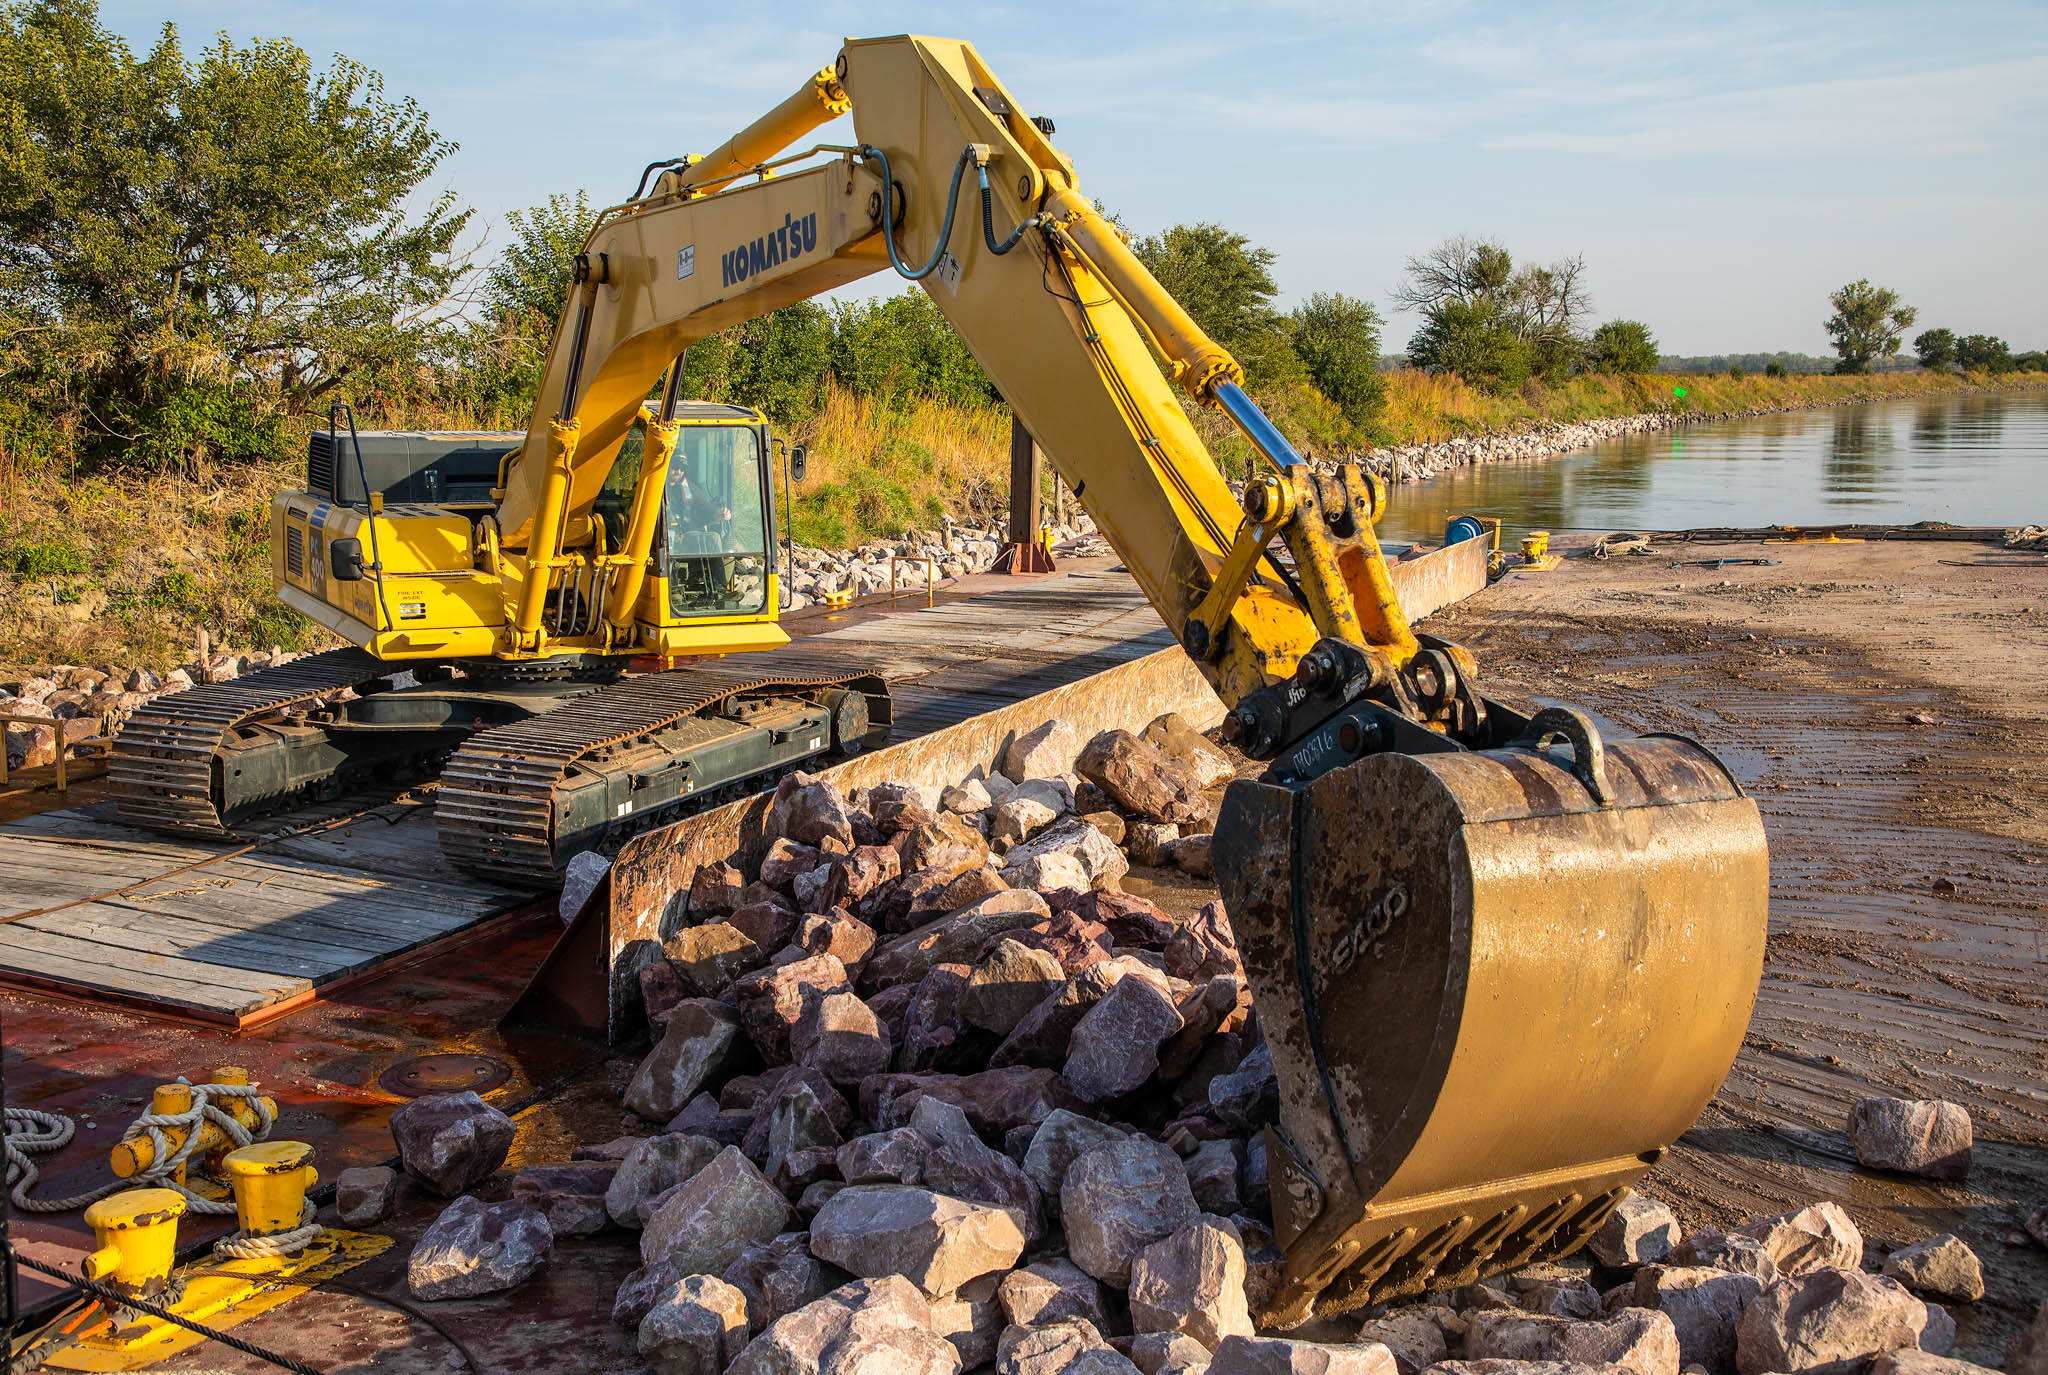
(1501, 960)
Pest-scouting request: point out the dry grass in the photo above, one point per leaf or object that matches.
(879, 470)
(1425, 408)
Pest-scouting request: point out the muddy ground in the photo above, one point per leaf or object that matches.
(1884, 703)
(1887, 706)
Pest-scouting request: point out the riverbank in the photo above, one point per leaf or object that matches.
(1453, 425)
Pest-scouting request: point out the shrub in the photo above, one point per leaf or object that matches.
(49, 557)
(1622, 347)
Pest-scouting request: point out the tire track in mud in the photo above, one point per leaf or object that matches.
(1903, 794)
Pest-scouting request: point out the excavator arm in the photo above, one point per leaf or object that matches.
(1500, 961)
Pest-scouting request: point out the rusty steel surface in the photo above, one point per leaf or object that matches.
(419, 1076)
(322, 1064)
(1492, 1001)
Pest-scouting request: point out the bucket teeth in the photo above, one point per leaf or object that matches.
(1495, 993)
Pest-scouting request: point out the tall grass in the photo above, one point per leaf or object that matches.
(879, 468)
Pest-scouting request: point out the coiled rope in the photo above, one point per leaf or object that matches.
(32, 1132)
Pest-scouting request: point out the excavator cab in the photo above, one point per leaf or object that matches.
(716, 517)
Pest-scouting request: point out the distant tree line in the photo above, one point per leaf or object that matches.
(1870, 322)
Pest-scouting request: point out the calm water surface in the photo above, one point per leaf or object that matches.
(1967, 460)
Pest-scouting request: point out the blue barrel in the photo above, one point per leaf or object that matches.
(1461, 528)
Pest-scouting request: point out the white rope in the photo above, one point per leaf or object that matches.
(32, 1132)
(242, 1246)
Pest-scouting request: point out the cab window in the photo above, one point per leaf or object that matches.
(715, 522)
(614, 503)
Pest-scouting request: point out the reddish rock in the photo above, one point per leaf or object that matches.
(1204, 947)
(787, 861)
(1046, 751)
(838, 934)
(994, 1100)
(660, 990)
(1115, 1047)
(838, 1035)
(1073, 941)
(971, 887)
(1703, 1304)
(958, 1163)
(905, 903)
(1010, 980)
(694, 1048)
(869, 1327)
(935, 1242)
(769, 925)
(714, 1215)
(1133, 923)
(474, 1249)
(935, 1036)
(1172, 735)
(1205, 1010)
(946, 845)
(810, 813)
(1045, 1033)
(706, 959)
(779, 1276)
(1924, 1137)
(715, 892)
(860, 873)
(1827, 1322)
(954, 939)
(772, 1000)
(1057, 1142)
(1637, 1338)
(1141, 778)
(1816, 1237)
(1116, 1201)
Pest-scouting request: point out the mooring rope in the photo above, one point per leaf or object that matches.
(32, 1132)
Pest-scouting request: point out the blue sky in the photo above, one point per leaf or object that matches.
(1722, 166)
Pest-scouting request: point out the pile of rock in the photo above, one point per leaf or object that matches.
(956, 551)
(78, 700)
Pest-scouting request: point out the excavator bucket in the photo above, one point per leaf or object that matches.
(1496, 987)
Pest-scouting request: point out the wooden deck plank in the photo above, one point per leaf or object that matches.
(88, 961)
(230, 950)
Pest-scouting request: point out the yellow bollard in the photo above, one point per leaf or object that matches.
(270, 1180)
(1535, 544)
(134, 1155)
(137, 1232)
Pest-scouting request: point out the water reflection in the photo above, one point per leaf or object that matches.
(1970, 460)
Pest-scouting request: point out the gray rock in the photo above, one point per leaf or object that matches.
(1247, 1098)
(773, 1001)
(1142, 779)
(1280, 1356)
(472, 1249)
(1048, 1291)
(1817, 1237)
(1924, 1137)
(1071, 1346)
(869, 1327)
(937, 1243)
(966, 798)
(653, 1166)
(1643, 1340)
(711, 1217)
(800, 1135)
(891, 1157)
(1703, 1304)
(1829, 1321)
(1730, 1251)
(1115, 1046)
(779, 1276)
(1639, 1230)
(1192, 1282)
(1046, 751)
(2037, 1224)
(1938, 1338)
(1414, 1335)
(586, 869)
(1010, 980)
(698, 1328)
(453, 1142)
(1168, 1353)
(1213, 1174)
(1150, 843)
(1563, 1299)
(1074, 839)
(363, 1196)
(571, 1197)
(695, 1046)
(1117, 1200)
(1942, 1266)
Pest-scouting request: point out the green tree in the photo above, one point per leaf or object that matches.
(190, 249)
(1622, 346)
(1337, 338)
(1226, 283)
(1775, 369)
(1868, 323)
(901, 346)
(1935, 348)
(1983, 353)
(531, 278)
(2033, 361)
(1474, 339)
(775, 362)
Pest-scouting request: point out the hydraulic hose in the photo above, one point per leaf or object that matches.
(988, 224)
(889, 218)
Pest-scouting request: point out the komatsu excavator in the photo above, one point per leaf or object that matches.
(1501, 961)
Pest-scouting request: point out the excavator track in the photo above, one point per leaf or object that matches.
(495, 808)
(161, 768)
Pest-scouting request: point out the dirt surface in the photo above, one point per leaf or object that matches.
(1905, 954)
(1888, 709)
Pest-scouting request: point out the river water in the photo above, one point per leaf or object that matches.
(1972, 459)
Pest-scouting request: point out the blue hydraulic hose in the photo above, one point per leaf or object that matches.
(988, 223)
(889, 216)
